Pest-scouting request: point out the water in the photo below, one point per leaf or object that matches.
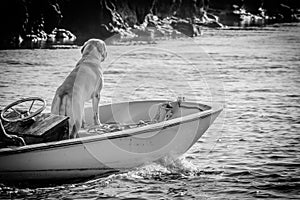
(251, 151)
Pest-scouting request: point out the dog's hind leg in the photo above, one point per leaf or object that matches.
(63, 105)
(77, 108)
(55, 105)
(69, 113)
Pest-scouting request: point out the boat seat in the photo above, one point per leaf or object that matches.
(46, 127)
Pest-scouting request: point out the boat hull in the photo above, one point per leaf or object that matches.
(97, 155)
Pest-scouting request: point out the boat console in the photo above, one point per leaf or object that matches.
(33, 125)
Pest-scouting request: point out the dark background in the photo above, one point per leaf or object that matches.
(99, 18)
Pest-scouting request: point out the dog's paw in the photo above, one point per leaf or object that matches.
(97, 122)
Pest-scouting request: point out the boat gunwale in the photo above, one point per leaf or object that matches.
(115, 135)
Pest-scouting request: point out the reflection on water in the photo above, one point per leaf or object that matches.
(252, 151)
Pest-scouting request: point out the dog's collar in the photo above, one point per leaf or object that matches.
(90, 60)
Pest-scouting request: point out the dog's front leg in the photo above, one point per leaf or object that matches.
(96, 100)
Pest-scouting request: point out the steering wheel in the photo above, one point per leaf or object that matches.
(21, 115)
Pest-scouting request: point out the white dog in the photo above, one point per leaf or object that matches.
(83, 83)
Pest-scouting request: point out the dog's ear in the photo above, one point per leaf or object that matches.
(101, 47)
(87, 47)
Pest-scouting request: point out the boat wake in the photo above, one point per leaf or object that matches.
(167, 168)
(177, 165)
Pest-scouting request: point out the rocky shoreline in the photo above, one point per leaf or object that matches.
(48, 23)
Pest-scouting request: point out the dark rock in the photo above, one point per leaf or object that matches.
(133, 12)
(224, 5)
(187, 28)
(187, 9)
(84, 18)
(13, 19)
(253, 6)
(118, 19)
(164, 9)
(30, 41)
(61, 36)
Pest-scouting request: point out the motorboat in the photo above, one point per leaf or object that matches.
(132, 134)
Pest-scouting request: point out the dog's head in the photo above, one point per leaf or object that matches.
(94, 44)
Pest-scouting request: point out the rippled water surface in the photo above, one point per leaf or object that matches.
(251, 151)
